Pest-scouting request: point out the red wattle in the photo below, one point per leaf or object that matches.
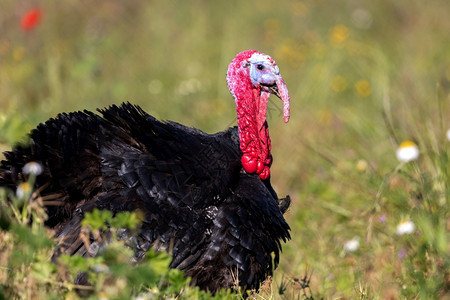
(249, 163)
(265, 173)
(254, 135)
(260, 167)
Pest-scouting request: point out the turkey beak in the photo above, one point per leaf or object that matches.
(280, 90)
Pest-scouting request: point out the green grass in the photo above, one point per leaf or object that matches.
(363, 76)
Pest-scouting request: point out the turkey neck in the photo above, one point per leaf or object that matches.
(251, 105)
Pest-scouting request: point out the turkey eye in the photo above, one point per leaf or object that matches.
(260, 67)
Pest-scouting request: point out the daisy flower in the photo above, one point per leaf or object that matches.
(405, 227)
(407, 151)
(33, 167)
(352, 245)
(23, 190)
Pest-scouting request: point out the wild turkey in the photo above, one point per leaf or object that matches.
(207, 197)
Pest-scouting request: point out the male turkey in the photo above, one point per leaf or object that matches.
(205, 197)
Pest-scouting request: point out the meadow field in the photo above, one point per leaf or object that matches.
(366, 79)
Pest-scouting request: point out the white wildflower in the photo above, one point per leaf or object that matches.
(352, 245)
(33, 167)
(407, 151)
(23, 190)
(405, 227)
(448, 135)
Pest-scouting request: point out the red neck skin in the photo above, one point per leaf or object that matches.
(254, 137)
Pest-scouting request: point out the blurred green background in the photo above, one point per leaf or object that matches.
(363, 76)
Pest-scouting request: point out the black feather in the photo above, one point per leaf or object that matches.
(189, 185)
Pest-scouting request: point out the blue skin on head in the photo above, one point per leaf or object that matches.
(262, 73)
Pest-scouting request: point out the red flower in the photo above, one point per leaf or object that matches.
(31, 18)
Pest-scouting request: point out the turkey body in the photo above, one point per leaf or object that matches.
(196, 199)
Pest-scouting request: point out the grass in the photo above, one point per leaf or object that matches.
(363, 77)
